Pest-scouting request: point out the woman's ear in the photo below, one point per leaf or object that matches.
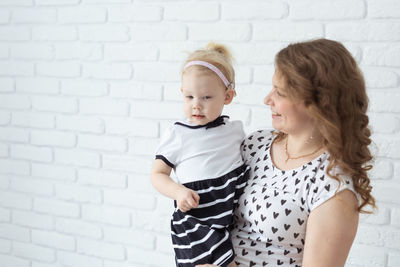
(229, 94)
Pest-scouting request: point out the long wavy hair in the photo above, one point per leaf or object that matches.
(325, 77)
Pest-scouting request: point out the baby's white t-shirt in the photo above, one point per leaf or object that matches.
(198, 153)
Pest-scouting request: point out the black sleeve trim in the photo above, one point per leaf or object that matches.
(165, 160)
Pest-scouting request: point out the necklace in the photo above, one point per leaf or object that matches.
(288, 157)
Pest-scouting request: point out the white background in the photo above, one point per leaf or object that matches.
(87, 86)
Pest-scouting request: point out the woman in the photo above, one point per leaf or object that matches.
(308, 180)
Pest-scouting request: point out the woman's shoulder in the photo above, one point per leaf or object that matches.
(260, 136)
(325, 183)
(251, 144)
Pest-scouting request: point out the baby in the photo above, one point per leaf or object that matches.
(204, 152)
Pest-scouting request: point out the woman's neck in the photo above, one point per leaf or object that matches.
(300, 144)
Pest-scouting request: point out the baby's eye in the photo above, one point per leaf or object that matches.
(207, 97)
(189, 97)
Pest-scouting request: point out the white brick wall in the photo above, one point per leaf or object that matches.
(88, 86)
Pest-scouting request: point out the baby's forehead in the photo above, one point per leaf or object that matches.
(202, 83)
(198, 89)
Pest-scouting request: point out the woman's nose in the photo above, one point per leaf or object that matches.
(267, 99)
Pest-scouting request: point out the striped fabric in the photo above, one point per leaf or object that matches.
(201, 235)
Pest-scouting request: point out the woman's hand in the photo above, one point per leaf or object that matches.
(186, 199)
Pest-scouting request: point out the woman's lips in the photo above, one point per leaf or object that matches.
(275, 114)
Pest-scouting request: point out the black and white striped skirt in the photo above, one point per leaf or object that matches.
(201, 235)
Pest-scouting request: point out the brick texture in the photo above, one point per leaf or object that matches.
(88, 86)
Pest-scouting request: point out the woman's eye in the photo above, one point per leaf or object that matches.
(279, 93)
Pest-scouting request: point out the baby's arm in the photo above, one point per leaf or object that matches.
(232, 264)
(186, 198)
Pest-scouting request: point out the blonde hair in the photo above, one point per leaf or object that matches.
(325, 77)
(215, 54)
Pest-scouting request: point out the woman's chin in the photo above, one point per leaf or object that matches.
(277, 126)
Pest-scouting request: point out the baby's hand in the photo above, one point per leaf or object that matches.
(187, 199)
(232, 264)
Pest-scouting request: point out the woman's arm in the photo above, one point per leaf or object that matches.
(186, 199)
(331, 229)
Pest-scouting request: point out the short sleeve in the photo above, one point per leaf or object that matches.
(169, 147)
(326, 187)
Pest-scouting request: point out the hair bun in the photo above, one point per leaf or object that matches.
(221, 49)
